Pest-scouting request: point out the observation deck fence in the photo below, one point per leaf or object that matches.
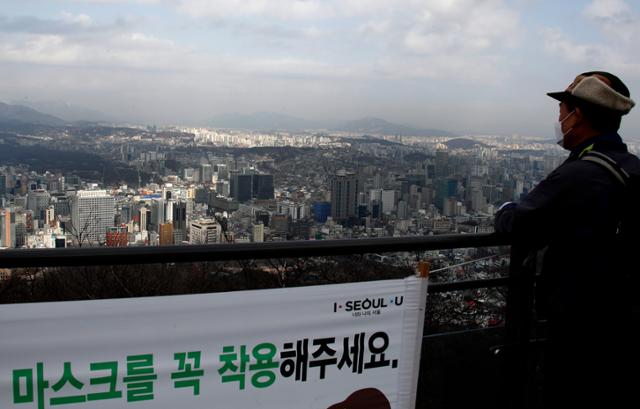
(487, 367)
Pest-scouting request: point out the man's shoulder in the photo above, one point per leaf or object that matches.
(570, 168)
(627, 161)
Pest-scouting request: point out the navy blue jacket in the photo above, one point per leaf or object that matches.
(584, 289)
(574, 213)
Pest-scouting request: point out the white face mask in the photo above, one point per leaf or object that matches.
(558, 129)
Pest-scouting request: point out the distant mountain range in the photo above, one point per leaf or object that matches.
(265, 121)
(379, 126)
(66, 111)
(274, 121)
(20, 114)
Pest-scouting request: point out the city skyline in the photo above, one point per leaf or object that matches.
(462, 66)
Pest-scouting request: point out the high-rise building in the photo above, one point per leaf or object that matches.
(263, 187)
(61, 204)
(8, 228)
(92, 211)
(241, 187)
(204, 231)
(50, 216)
(223, 171)
(179, 222)
(38, 201)
(179, 213)
(403, 211)
(24, 225)
(378, 181)
(169, 205)
(321, 210)
(206, 173)
(166, 234)
(157, 214)
(388, 198)
(442, 163)
(344, 195)
(144, 218)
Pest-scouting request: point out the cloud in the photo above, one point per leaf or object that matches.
(327, 55)
(103, 48)
(462, 27)
(281, 9)
(461, 40)
(616, 48)
(615, 19)
(66, 24)
(374, 27)
(606, 9)
(362, 38)
(558, 43)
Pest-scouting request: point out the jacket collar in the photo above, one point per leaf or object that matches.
(603, 142)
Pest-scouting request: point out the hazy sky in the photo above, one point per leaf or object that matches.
(476, 66)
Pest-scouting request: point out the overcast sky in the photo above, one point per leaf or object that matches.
(470, 66)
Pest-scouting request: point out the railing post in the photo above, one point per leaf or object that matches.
(516, 352)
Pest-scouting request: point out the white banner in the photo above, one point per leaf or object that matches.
(334, 346)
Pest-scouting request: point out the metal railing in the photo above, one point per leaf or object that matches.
(519, 282)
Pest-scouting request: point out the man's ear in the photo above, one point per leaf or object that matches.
(578, 114)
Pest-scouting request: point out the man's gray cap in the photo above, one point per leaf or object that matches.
(593, 90)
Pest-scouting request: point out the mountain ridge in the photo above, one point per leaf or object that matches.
(20, 114)
(263, 120)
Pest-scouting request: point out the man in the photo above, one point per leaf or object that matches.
(579, 220)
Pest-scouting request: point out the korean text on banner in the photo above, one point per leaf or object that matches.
(343, 345)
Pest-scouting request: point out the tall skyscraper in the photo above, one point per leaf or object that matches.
(144, 218)
(388, 198)
(7, 228)
(92, 211)
(263, 187)
(206, 173)
(169, 205)
(50, 216)
(179, 222)
(442, 163)
(241, 187)
(157, 214)
(344, 195)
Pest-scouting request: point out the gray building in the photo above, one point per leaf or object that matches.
(344, 195)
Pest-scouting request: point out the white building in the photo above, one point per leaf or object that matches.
(204, 231)
(258, 233)
(92, 211)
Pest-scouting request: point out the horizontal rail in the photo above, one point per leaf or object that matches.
(84, 256)
(467, 285)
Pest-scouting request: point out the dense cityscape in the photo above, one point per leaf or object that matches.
(147, 187)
